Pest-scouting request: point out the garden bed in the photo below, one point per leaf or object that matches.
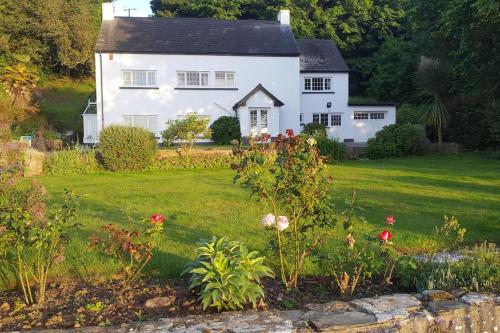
(72, 305)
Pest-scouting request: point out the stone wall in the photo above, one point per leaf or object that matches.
(431, 311)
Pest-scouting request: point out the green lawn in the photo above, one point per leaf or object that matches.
(200, 203)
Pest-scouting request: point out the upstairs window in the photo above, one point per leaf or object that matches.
(318, 84)
(149, 123)
(138, 78)
(224, 79)
(192, 79)
(377, 115)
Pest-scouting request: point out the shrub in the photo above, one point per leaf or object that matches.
(32, 237)
(397, 140)
(225, 129)
(478, 271)
(186, 131)
(295, 185)
(331, 148)
(71, 161)
(126, 148)
(410, 114)
(132, 248)
(314, 129)
(200, 161)
(226, 275)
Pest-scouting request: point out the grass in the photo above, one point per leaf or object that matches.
(63, 100)
(201, 203)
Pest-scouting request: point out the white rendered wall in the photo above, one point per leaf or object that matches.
(362, 130)
(279, 75)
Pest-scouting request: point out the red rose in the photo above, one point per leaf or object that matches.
(289, 132)
(385, 236)
(390, 219)
(156, 218)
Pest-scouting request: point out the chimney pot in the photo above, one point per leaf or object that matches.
(284, 16)
(108, 11)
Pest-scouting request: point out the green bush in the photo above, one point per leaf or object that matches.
(193, 162)
(397, 140)
(225, 129)
(71, 161)
(478, 271)
(410, 114)
(314, 129)
(186, 131)
(226, 275)
(127, 148)
(331, 148)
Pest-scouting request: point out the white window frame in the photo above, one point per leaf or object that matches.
(148, 80)
(258, 125)
(360, 115)
(148, 122)
(333, 123)
(225, 79)
(317, 83)
(203, 78)
(377, 115)
(321, 116)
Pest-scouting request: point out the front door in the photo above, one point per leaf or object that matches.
(259, 121)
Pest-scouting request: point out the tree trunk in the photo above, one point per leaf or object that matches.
(440, 138)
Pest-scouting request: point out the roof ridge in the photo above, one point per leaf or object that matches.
(197, 18)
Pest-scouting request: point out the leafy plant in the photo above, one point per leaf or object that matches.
(186, 131)
(450, 234)
(95, 307)
(132, 249)
(334, 150)
(33, 239)
(127, 148)
(293, 182)
(225, 129)
(397, 140)
(227, 275)
(71, 161)
(195, 161)
(315, 130)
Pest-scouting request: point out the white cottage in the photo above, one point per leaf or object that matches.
(152, 70)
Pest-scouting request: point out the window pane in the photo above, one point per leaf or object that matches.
(127, 78)
(230, 79)
(336, 120)
(253, 118)
(307, 84)
(317, 83)
(377, 115)
(328, 84)
(204, 79)
(149, 123)
(193, 78)
(181, 79)
(360, 115)
(324, 119)
(316, 118)
(151, 78)
(263, 118)
(220, 79)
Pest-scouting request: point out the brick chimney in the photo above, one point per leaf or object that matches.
(108, 11)
(284, 16)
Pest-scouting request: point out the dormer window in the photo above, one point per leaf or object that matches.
(318, 84)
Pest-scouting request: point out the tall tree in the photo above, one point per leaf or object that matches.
(433, 82)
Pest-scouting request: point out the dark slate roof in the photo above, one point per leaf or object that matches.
(320, 55)
(196, 36)
(259, 87)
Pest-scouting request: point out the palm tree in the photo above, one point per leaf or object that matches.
(18, 81)
(432, 83)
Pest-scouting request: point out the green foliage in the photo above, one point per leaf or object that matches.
(95, 307)
(397, 140)
(478, 271)
(133, 249)
(225, 129)
(126, 148)
(195, 161)
(410, 114)
(331, 148)
(314, 129)
(226, 275)
(450, 235)
(294, 185)
(395, 63)
(33, 239)
(56, 35)
(186, 131)
(71, 161)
